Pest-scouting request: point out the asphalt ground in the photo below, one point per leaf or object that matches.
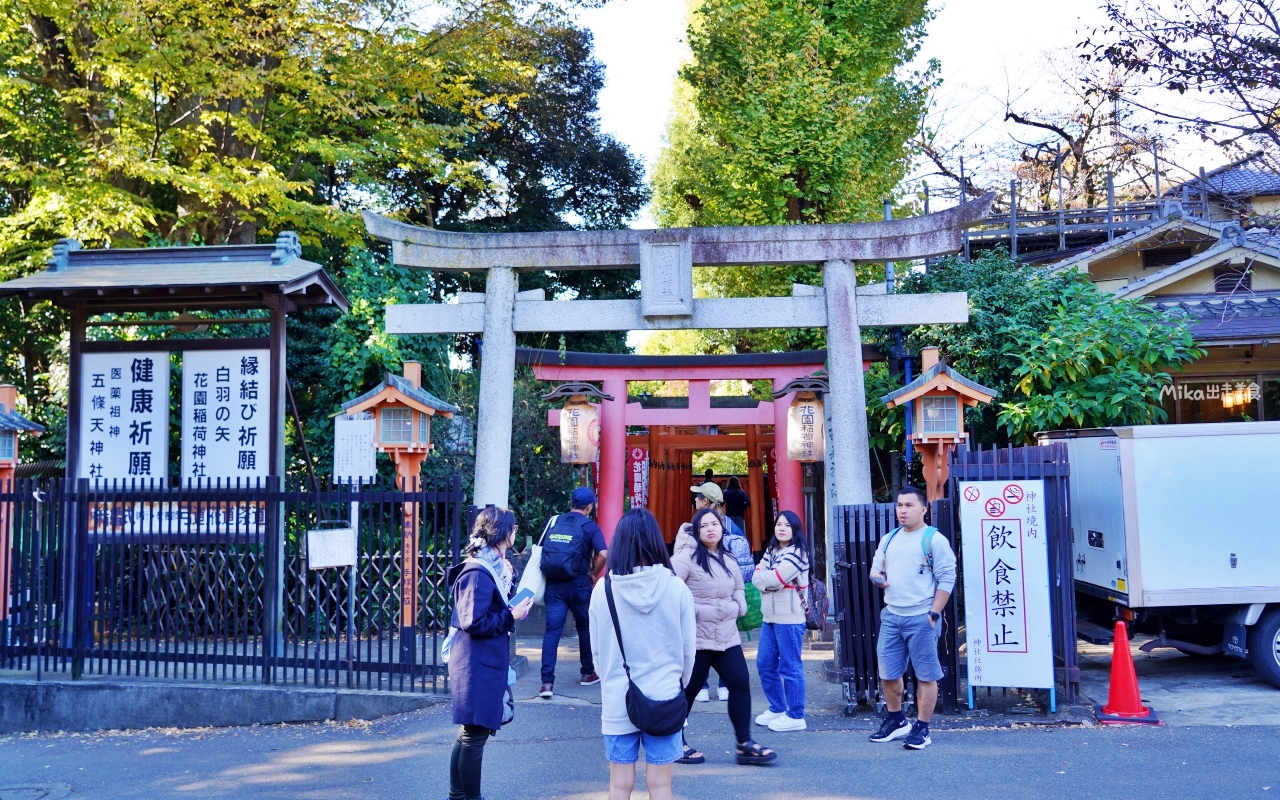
(555, 751)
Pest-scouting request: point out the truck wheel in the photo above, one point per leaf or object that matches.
(1264, 646)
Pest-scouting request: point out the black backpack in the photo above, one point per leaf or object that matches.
(564, 553)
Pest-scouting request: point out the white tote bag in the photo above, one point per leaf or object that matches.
(533, 579)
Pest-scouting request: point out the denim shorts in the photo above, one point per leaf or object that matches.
(912, 639)
(658, 750)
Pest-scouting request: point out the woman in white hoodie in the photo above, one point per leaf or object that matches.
(659, 633)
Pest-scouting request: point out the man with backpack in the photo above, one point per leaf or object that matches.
(917, 570)
(573, 554)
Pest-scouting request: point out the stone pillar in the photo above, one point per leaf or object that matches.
(613, 455)
(790, 474)
(497, 386)
(848, 402)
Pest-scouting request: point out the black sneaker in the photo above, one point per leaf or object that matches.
(891, 730)
(918, 739)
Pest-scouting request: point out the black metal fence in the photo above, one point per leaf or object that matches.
(212, 582)
(858, 531)
(1047, 462)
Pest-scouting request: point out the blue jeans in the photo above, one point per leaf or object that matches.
(781, 667)
(658, 750)
(561, 598)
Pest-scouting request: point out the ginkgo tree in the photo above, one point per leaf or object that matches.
(789, 112)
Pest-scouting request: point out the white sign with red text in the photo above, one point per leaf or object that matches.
(1005, 551)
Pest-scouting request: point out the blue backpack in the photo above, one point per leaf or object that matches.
(926, 544)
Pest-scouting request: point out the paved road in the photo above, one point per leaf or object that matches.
(555, 751)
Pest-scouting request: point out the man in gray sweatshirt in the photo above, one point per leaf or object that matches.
(917, 570)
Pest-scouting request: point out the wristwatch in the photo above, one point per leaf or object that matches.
(935, 616)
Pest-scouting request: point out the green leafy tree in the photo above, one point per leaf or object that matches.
(1099, 362)
(1059, 352)
(791, 111)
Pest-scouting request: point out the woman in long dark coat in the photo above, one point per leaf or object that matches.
(478, 656)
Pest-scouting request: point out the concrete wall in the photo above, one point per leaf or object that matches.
(90, 705)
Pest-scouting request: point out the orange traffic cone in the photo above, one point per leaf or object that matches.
(1124, 702)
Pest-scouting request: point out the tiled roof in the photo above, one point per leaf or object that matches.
(402, 385)
(1130, 241)
(1258, 240)
(1245, 315)
(1258, 174)
(149, 268)
(13, 421)
(932, 373)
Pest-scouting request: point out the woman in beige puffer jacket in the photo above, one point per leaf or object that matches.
(714, 579)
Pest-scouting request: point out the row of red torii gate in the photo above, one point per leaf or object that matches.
(646, 444)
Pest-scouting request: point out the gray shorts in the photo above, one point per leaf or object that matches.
(906, 640)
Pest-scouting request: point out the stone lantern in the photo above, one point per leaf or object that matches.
(938, 399)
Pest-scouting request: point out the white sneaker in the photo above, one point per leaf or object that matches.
(723, 693)
(768, 717)
(702, 696)
(785, 723)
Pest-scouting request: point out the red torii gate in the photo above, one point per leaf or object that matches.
(614, 371)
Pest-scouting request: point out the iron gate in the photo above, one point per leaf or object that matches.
(211, 582)
(858, 531)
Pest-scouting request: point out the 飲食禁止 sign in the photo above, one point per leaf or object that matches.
(1005, 547)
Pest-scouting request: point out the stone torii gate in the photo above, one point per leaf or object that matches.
(666, 258)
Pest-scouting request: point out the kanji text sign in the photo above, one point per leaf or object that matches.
(638, 476)
(354, 456)
(226, 399)
(1006, 583)
(124, 413)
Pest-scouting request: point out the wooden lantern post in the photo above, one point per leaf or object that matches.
(11, 424)
(941, 395)
(402, 414)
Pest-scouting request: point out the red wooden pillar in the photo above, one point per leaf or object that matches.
(790, 478)
(613, 455)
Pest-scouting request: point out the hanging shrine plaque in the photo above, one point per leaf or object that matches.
(226, 431)
(124, 416)
(579, 432)
(805, 427)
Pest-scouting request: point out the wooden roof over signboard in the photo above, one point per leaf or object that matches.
(223, 276)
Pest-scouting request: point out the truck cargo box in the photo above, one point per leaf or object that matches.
(1176, 515)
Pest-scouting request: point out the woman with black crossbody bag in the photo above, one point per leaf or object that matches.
(643, 639)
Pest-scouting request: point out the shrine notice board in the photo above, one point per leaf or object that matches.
(1005, 551)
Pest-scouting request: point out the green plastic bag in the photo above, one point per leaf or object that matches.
(754, 618)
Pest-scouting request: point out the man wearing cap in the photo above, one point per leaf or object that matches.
(573, 556)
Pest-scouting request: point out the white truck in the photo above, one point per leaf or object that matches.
(1176, 524)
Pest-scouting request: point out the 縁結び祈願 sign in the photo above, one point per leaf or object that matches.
(226, 428)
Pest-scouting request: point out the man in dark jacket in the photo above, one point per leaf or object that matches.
(573, 555)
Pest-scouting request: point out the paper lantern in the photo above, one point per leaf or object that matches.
(579, 431)
(805, 428)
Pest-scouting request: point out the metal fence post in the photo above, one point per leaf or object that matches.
(273, 581)
(942, 515)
